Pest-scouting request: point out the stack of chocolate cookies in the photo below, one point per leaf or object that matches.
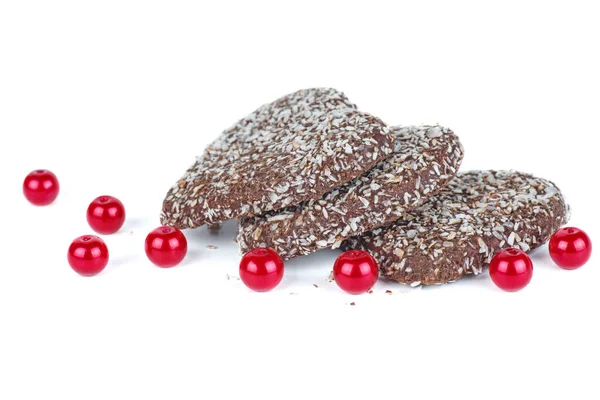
(310, 171)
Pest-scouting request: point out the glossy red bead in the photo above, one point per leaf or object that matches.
(261, 269)
(511, 269)
(41, 187)
(355, 271)
(88, 255)
(166, 246)
(106, 214)
(570, 248)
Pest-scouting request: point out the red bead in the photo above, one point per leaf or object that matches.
(511, 269)
(570, 248)
(261, 269)
(88, 255)
(355, 271)
(41, 187)
(166, 246)
(106, 214)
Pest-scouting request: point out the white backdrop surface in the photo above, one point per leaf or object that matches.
(118, 97)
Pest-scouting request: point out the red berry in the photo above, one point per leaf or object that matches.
(261, 269)
(570, 248)
(355, 271)
(166, 246)
(41, 187)
(511, 269)
(106, 214)
(88, 255)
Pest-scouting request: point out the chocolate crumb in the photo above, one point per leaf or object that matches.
(212, 247)
(214, 228)
(388, 292)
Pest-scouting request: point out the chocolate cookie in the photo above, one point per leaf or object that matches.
(458, 231)
(294, 149)
(424, 160)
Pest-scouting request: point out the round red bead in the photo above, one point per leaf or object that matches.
(261, 269)
(570, 248)
(88, 255)
(166, 246)
(106, 214)
(41, 187)
(511, 269)
(355, 271)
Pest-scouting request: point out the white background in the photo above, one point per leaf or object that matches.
(117, 97)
